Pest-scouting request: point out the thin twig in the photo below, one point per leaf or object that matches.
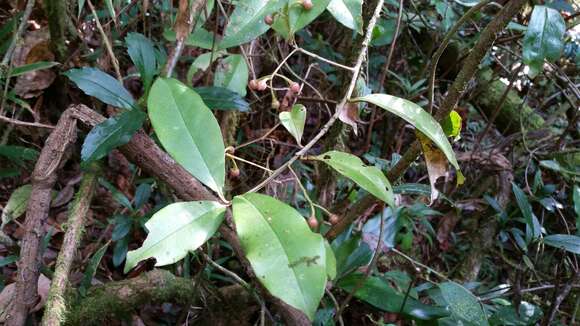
(339, 107)
(105, 38)
(443, 46)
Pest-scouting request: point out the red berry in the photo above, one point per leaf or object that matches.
(253, 84)
(268, 20)
(333, 219)
(295, 88)
(262, 85)
(313, 222)
(234, 173)
(307, 4)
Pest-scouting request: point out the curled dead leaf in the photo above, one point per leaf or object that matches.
(349, 115)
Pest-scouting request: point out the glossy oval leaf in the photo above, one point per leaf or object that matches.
(379, 293)
(293, 17)
(246, 23)
(544, 38)
(104, 87)
(142, 53)
(16, 205)
(294, 121)
(219, 98)
(369, 178)
(568, 242)
(286, 256)
(232, 73)
(348, 13)
(330, 261)
(188, 131)
(415, 115)
(110, 134)
(177, 229)
(463, 304)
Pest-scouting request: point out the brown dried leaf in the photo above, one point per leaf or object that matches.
(349, 115)
(34, 48)
(436, 163)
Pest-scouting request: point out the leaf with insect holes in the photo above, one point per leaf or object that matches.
(188, 131)
(176, 230)
(369, 178)
(98, 84)
(286, 256)
(294, 121)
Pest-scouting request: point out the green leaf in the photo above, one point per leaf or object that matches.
(544, 38)
(18, 154)
(200, 37)
(330, 261)
(369, 178)
(110, 9)
(188, 131)
(177, 229)
(96, 83)
(526, 209)
(16, 204)
(378, 293)
(463, 304)
(110, 134)
(232, 73)
(219, 98)
(142, 53)
(39, 65)
(384, 32)
(348, 13)
(415, 115)
(247, 21)
(452, 124)
(294, 121)
(294, 17)
(117, 194)
(286, 256)
(203, 61)
(568, 242)
(91, 269)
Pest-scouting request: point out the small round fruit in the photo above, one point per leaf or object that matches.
(261, 85)
(333, 219)
(234, 173)
(268, 20)
(313, 222)
(307, 4)
(253, 84)
(275, 104)
(295, 88)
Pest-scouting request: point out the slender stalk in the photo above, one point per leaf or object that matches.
(56, 306)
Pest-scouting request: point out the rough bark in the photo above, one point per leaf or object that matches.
(52, 156)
